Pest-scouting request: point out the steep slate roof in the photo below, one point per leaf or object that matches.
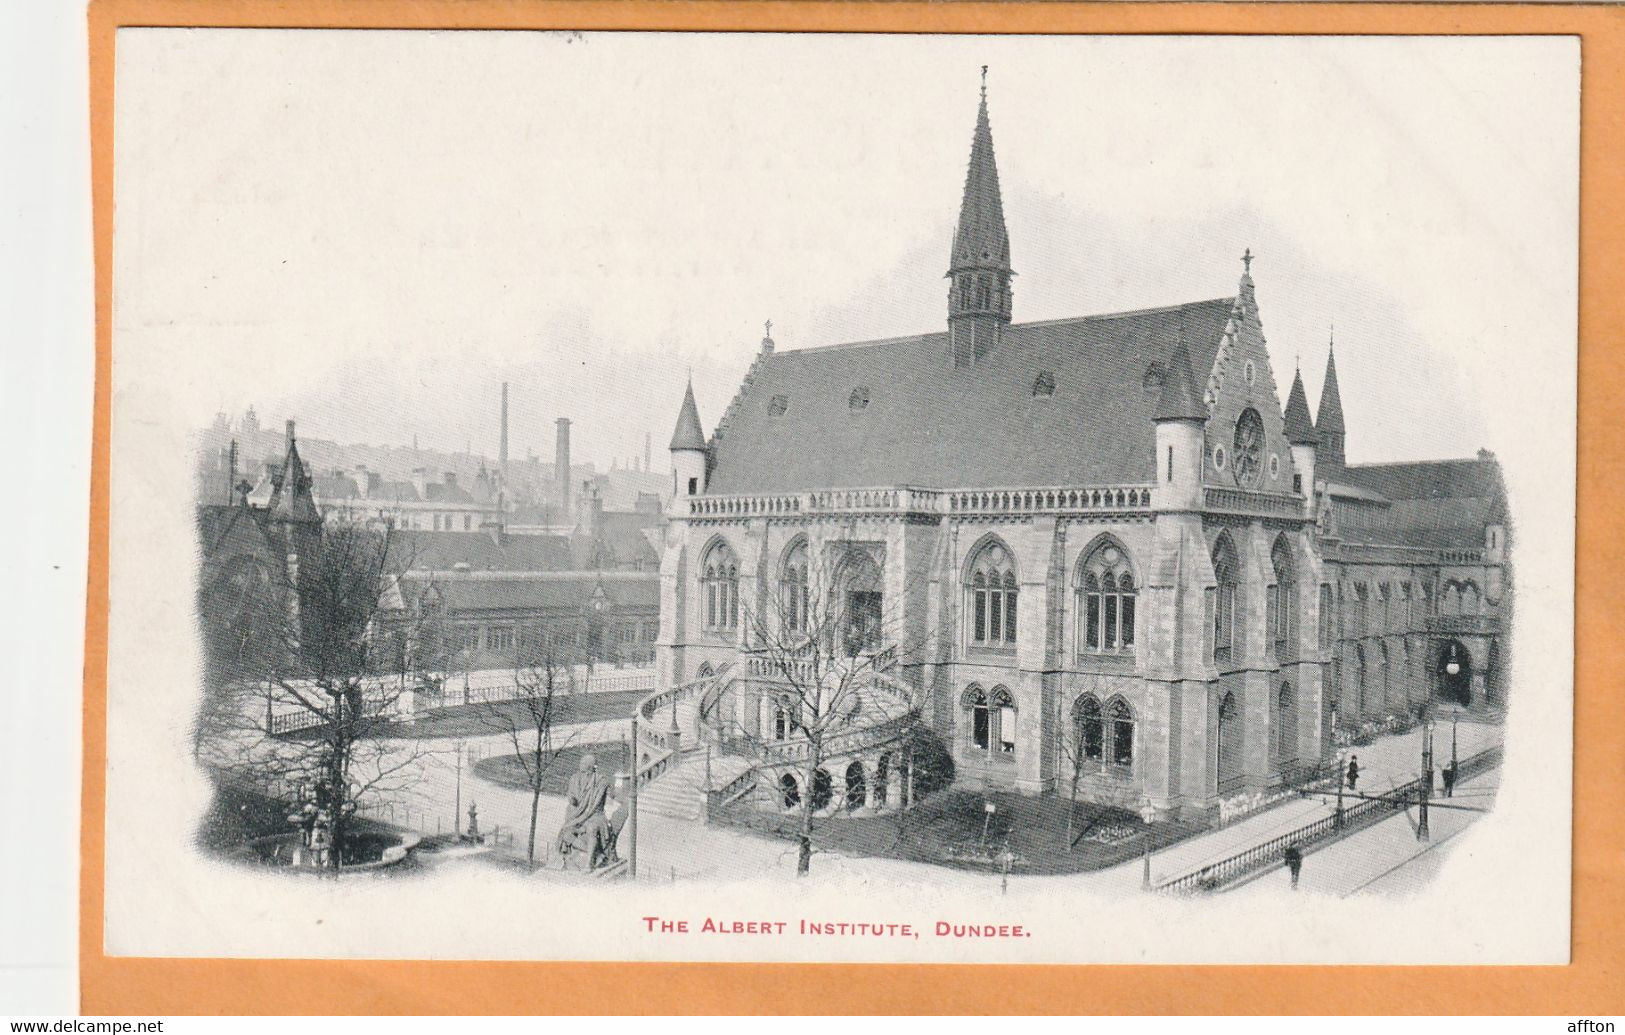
(569, 593)
(1300, 430)
(1431, 503)
(928, 424)
(481, 551)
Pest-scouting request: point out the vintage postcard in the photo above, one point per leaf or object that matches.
(842, 498)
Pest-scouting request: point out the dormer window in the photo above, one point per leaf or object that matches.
(1153, 376)
(858, 400)
(777, 405)
(1044, 385)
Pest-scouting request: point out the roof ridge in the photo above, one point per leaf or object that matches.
(1014, 326)
(1443, 460)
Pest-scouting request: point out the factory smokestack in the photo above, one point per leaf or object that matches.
(648, 452)
(502, 443)
(561, 466)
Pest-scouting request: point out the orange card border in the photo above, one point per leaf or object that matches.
(1593, 983)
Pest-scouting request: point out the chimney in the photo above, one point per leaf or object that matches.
(648, 452)
(363, 480)
(420, 482)
(502, 442)
(231, 472)
(561, 467)
(451, 479)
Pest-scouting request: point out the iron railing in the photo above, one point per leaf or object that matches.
(1362, 813)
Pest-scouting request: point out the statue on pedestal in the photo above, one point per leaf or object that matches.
(583, 840)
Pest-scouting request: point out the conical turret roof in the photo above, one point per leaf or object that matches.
(1180, 400)
(1300, 431)
(688, 433)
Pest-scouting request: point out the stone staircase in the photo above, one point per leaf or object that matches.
(680, 792)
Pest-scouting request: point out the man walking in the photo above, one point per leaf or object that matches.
(1294, 863)
(1450, 779)
(1354, 772)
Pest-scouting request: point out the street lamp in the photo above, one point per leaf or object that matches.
(1148, 815)
(1427, 780)
(1337, 817)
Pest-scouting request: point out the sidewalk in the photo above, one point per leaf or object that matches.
(1387, 858)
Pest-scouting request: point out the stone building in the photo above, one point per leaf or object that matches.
(1097, 546)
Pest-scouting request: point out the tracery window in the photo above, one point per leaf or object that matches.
(991, 597)
(1120, 722)
(721, 587)
(1281, 608)
(1247, 449)
(1106, 601)
(992, 720)
(793, 588)
(1224, 610)
(1091, 729)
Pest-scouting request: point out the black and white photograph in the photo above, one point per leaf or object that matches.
(842, 498)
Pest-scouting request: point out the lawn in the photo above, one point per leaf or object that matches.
(506, 771)
(482, 720)
(946, 829)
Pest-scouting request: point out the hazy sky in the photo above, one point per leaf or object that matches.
(371, 230)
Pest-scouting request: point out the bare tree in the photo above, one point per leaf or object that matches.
(1078, 748)
(822, 641)
(309, 684)
(544, 671)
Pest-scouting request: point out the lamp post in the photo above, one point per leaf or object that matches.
(1337, 817)
(1427, 780)
(1148, 815)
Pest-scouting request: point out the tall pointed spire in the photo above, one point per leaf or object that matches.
(979, 266)
(1329, 419)
(688, 434)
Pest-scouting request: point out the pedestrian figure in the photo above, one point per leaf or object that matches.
(1294, 863)
(1450, 779)
(1354, 771)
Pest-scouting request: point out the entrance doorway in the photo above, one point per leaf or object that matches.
(1454, 671)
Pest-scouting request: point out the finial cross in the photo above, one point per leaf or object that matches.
(984, 80)
(1247, 261)
(769, 331)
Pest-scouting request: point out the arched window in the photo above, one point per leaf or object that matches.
(1469, 599)
(784, 722)
(1091, 729)
(1281, 607)
(789, 791)
(1120, 721)
(990, 597)
(1286, 725)
(859, 593)
(793, 588)
(1004, 721)
(1106, 601)
(992, 720)
(1224, 605)
(721, 580)
(1229, 746)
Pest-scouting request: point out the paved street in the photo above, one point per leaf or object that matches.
(1387, 858)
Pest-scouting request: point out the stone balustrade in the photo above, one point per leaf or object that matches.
(1224, 500)
(909, 500)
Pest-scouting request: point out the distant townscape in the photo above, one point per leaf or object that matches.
(1084, 597)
